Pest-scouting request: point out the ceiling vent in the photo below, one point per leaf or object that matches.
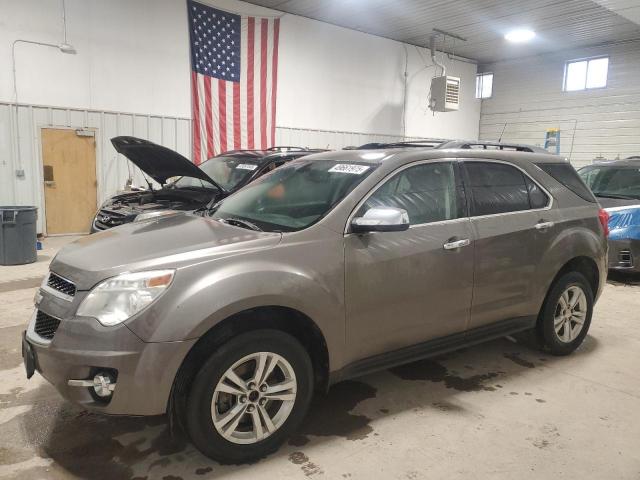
(445, 94)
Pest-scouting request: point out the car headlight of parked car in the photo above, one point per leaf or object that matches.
(116, 299)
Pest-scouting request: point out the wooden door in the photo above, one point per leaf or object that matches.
(69, 172)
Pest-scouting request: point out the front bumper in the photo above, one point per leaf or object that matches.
(624, 254)
(82, 346)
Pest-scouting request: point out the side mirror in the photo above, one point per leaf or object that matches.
(381, 219)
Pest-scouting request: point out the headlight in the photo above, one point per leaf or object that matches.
(157, 214)
(116, 299)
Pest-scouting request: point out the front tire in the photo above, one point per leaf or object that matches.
(565, 316)
(249, 396)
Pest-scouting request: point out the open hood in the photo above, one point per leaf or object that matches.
(157, 161)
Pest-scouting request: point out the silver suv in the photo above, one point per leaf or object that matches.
(330, 267)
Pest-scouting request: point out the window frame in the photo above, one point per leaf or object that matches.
(588, 60)
(459, 185)
(469, 192)
(481, 80)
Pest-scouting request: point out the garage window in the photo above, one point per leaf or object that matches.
(484, 85)
(586, 74)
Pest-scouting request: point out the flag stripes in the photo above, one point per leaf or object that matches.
(234, 80)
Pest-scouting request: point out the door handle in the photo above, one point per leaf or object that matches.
(456, 244)
(49, 183)
(544, 225)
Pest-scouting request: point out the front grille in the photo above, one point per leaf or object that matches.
(108, 219)
(61, 285)
(46, 325)
(625, 259)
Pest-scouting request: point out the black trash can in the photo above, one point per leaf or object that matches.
(18, 235)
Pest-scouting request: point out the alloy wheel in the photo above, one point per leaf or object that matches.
(254, 398)
(570, 314)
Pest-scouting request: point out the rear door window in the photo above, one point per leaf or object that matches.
(500, 188)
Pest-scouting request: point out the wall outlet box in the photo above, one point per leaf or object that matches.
(20, 173)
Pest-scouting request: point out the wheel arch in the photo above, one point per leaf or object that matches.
(284, 319)
(587, 266)
(582, 264)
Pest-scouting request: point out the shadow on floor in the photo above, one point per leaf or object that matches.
(98, 447)
(623, 278)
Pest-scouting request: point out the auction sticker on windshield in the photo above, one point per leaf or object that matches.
(349, 168)
(246, 166)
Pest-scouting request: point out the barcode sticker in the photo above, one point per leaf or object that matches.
(246, 166)
(349, 168)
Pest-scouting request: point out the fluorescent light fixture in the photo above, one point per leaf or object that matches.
(520, 35)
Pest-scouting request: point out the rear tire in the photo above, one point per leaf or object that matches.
(247, 434)
(565, 316)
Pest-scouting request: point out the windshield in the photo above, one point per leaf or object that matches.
(227, 171)
(611, 181)
(293, 196)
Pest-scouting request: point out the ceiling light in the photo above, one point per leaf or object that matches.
(520, 35)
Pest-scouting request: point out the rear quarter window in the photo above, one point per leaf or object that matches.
(565, 174)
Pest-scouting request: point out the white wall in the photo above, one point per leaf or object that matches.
(133, 57)
(336, 86)
(528, 97)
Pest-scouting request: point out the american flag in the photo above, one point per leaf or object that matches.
(234, 75)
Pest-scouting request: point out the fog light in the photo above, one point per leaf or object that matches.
(103, 386)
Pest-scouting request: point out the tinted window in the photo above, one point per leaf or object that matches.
(567, 176)
(537, 198)
(613, 181)
(427, 192)
(496, 188)
(228, 171)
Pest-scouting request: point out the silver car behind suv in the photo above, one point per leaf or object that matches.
(332, 266)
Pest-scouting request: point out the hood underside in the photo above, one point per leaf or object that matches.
(159, 162)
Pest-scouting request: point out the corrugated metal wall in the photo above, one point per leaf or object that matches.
(113, 170)
(332, 140)
(528, 97)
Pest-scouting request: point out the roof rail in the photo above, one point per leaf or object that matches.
(425, 143)
(280, 148)
(440, 143)
(499, 146)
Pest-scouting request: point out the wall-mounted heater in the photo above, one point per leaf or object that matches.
(445, 94)
(445, 89)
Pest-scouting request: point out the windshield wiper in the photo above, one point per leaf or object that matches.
(210, 207)
(239, 222)
(614, 195)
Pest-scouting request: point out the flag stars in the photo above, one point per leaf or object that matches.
(215, 40)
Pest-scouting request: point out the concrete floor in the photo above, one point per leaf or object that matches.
(499, 410)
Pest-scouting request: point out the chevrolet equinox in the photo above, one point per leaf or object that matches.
(332, 266)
